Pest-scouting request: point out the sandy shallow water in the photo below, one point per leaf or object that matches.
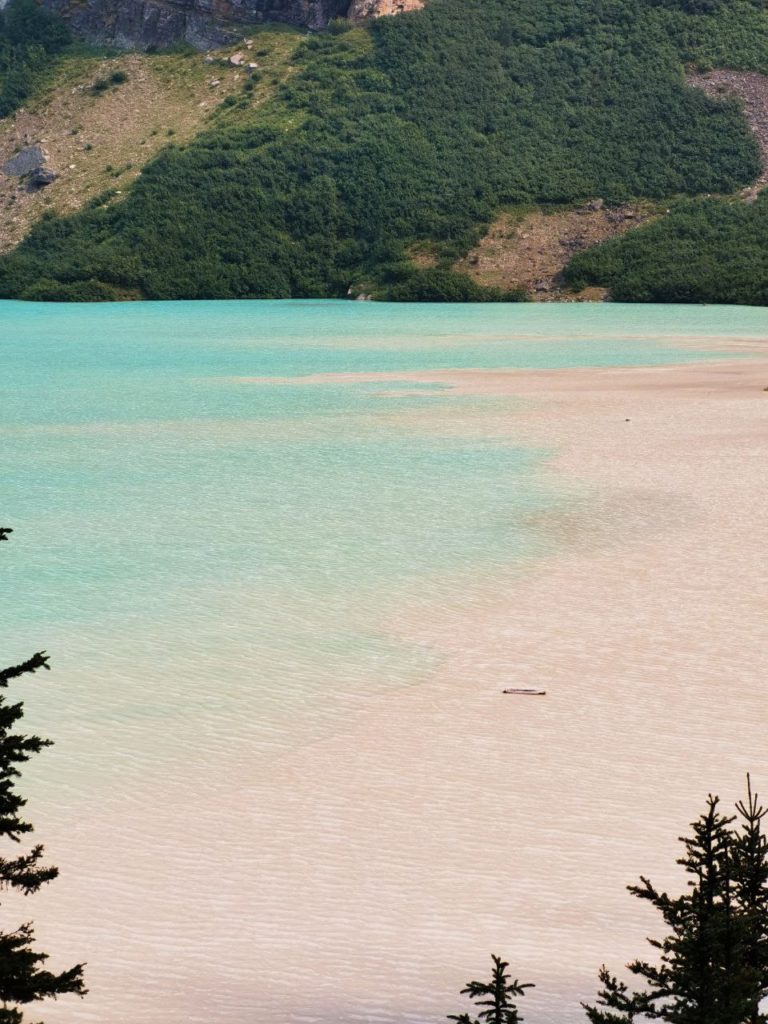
(454, 821)
(363, 873)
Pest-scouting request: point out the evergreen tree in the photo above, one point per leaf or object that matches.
(615, 1003)
(694, 979)
(713, 963)
(495, 997)
(23, 979)
(750, 883)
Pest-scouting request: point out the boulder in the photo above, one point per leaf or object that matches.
(40, 178)
(27, 160)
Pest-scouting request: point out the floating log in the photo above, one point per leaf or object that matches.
(526, 691)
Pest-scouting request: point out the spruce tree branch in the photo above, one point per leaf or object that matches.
(39, 660)
(23, 872)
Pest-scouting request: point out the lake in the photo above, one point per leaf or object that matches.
(282, 555)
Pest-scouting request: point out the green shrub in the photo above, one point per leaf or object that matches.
(705, 250)
(102, 84)
(79, 291)
(441, 285)
(101, 200)
(339, 26)
(31, 38)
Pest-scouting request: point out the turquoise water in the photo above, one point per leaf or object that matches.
(148, 476)
(138, 453)
(213, 558)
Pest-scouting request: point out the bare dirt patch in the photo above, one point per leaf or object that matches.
(531, 252)
(751, 88)
(97, 141)
(362, 9)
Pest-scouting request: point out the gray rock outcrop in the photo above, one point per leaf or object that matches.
(158, 24)
(27, 160)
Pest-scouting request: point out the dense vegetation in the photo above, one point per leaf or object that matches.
(416, 129)
(706, 250)
(30, 38)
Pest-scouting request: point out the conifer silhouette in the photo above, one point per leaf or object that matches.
(498, 1007)
(750, 885)
(23, 979)
(712, 965)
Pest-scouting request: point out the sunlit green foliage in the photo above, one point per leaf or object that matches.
(417, 128)
(406, 283)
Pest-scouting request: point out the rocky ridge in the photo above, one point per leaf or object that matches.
(361, 9)
(205, 24)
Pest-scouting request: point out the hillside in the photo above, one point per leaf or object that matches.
(97, 139)
(378, 163)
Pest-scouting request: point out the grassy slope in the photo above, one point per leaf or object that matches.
(416, 129)
(98, 142)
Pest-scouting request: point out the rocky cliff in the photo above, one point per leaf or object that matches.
(157, 24)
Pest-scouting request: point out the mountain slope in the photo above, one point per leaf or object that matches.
(97, 133)
(415, 130)
(704, 251)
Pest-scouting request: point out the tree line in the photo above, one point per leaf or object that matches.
(23, 977)
(704, 250)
